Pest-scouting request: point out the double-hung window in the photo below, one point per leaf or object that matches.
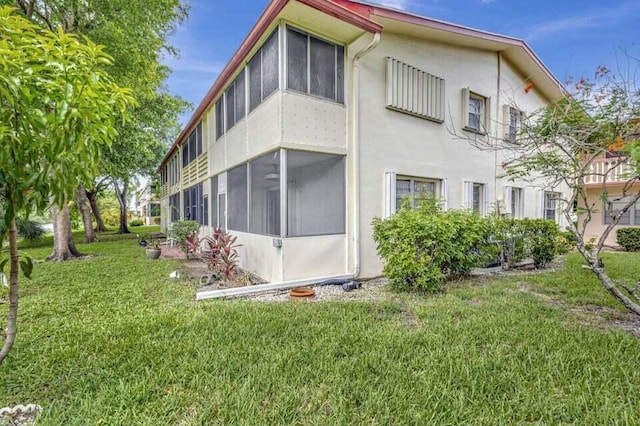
(475, 111)
(614, 205)
(475, 197)
(516, 203)
(314, 66)
(512, 118)
(415, 189)
(550, 205)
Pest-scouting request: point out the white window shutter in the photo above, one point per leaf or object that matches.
(506, 120)
(562, 222)
(487, 115)
(467, 195)
(444, 194)
(389, 194)
(541, 203)
(521, 206)
(508, 195)
(465, 107)
(487, 198)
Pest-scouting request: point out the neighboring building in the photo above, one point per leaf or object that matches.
(329, 113)
(620, 180)
(147, 206)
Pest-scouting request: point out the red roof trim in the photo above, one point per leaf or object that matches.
(459, 29)
(344, 14)
(267, 17)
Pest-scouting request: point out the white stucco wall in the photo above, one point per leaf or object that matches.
(392, 141)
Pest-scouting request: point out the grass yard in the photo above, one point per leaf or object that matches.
(110, 340)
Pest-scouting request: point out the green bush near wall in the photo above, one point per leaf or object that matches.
(629, 238)
(423, 247)
(182, 229)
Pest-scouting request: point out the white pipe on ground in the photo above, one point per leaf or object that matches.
(284, 285)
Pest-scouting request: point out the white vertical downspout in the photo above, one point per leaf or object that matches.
(356, 150)
(498, 129)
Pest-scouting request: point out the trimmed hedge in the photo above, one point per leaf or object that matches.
(629, 238)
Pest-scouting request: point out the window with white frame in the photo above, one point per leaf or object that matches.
(550, 205)
(517, 203)
(513, 205)
(475, 197)
(314, 66)
(512, 118)
(415, 189)
(615, 204)
(475, 111)
(413, 91)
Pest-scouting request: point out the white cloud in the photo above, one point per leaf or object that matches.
(596, 19)
(396, 4)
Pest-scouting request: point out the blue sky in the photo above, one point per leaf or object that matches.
(571, 37)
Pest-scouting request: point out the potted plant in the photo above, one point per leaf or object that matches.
(153, 249)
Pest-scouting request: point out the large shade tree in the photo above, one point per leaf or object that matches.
(135, 33)
(59, 110)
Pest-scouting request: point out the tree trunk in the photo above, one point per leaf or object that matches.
(95, 208)
(610, 286)
(82, 202)
(122, 200)
(12, 317)
(63, 245)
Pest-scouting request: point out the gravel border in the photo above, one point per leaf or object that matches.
(371, 290)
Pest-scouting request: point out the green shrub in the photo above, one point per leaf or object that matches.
(511, 237)
(156, 220)
(565, 242)
(136, 222)
(28, 230)
(180, 230)
(629, 238)
(422, 247)
(541, 238)
(111, 217)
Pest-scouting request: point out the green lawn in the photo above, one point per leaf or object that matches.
(111, 340)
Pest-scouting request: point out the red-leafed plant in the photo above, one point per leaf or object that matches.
(221, 254)
(190, 244)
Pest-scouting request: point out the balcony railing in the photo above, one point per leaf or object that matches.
(616, 170)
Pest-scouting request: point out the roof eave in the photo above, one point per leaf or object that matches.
(266, 19)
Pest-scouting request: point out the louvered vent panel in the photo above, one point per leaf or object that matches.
(414, 91)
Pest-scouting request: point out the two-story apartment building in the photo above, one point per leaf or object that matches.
(330, 112)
